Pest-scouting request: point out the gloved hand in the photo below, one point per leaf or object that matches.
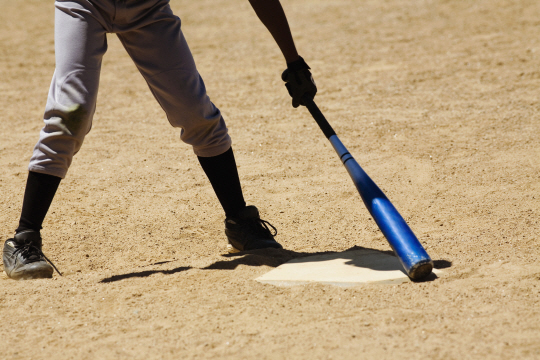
(299, 81)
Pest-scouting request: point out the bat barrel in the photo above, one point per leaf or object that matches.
(406, 246)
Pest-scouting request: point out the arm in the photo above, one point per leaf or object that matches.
(273, 17)
(297, 77)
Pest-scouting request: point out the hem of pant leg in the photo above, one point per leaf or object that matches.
(213, 151)
(43, 170)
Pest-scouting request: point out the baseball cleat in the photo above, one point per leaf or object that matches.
(247, 231)
(23, 258)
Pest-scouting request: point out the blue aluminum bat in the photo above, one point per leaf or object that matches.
(411, 253)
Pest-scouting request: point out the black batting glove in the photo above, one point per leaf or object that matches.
(298, 81)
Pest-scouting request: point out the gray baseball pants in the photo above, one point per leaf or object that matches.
(152, 36)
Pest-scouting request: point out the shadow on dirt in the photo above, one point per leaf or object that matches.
(441, 264)
(263, 257)
(145, 273)
(275, 258)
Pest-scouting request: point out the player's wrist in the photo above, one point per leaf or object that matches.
(297, 65)
(292, 58)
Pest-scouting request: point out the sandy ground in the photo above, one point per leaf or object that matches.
(436, 99)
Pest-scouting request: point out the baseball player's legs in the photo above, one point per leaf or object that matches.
(80, 42)
(152, 36)
(161, 53)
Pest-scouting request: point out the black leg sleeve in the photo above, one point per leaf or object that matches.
(38, 196)
(223, 175)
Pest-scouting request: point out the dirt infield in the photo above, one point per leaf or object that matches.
(438, 100)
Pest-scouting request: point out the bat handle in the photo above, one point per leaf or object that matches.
(318, 116)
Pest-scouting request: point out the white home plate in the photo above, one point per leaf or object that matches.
(347, 268)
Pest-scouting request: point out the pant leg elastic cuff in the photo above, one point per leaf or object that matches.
(53, 172)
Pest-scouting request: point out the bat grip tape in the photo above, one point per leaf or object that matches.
(318, 116)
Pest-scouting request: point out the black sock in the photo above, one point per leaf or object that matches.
(38, 195)
(223, 175)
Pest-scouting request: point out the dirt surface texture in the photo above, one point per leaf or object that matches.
(438, 100)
